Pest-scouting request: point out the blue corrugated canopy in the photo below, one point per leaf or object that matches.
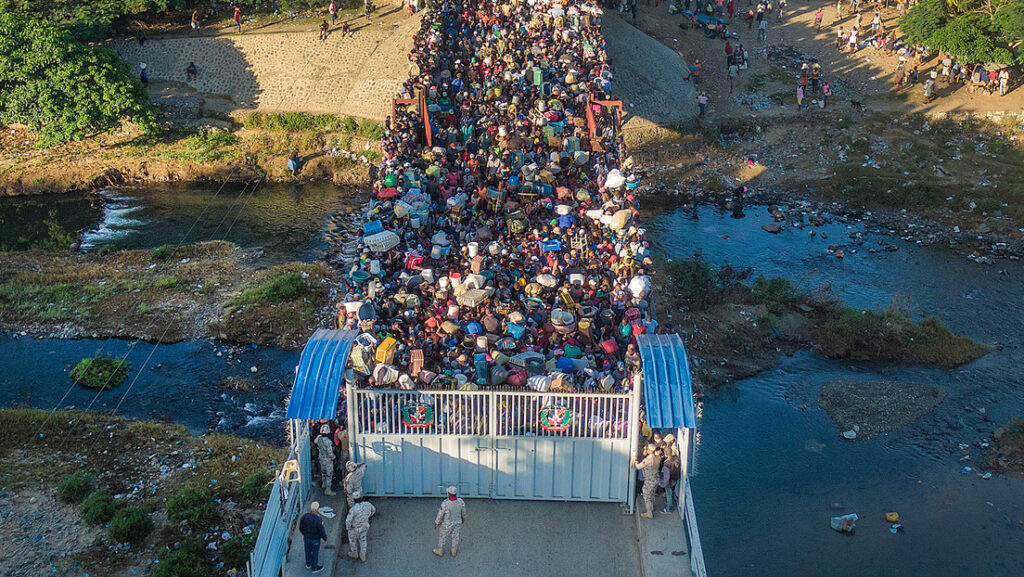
(668, 390)
(320, 375)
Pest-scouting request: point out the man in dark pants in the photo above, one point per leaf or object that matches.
(312, 528)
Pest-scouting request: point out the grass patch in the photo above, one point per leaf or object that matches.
(74, 487)
(98, 508)
(235, 551)
(193, 505)
(162, 252)
(130, 525)
(100, 372)
(890, 335)
(186, 560)
(167, 282)
(279, 306)
(306, 122)
(776, 294)
(697, 285)
(256, 486)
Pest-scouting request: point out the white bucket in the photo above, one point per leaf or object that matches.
(494, 248)
(442, 283)
(453, 311)
(415, 222)
(456, 279)
(473, 248)
(374, 267)
(481, 342)
(435, 252)
(428, 275)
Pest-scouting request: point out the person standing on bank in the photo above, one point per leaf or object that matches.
(651, 467)
(358, 525)
(312, 528)
(450, 518)
(325, 449)
(354, 481)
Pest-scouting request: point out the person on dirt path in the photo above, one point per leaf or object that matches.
(1004, 81)
(815, 75)
(733, 71)
(839, 11)
(191, 72)
(651, 467)
(450, 518)
(238, 19)
(731, 9)
(929, 88)
(325, 449)
(194, 22)
(357, 523)
(354, 481)
(852, 44)
(313, 532)
(799, 97)
(333, 11)
(694, 73)
(782, 8)
(817, 20)
(144, 75)
(729, 52)
(325, 30)
(762, 31)
(702, 102)
(293, 162)
(826, 93)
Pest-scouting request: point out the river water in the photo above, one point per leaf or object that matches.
(767, 473)
(770, 475)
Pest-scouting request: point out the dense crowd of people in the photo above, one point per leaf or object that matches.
(506, 252)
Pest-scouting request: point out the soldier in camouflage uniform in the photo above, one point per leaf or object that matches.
(651, 466)
(354, 481)
(358, 524)
(450, 518)
(325, 448)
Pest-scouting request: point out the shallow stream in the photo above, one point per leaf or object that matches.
(769, 475)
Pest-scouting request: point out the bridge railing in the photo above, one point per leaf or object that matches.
(287, 494)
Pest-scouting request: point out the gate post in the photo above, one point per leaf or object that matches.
(634, 441)
(350, 415)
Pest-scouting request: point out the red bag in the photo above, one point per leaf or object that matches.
(610, 346)
(413, 260)
(516, 377)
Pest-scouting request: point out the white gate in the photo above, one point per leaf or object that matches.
(497, 444)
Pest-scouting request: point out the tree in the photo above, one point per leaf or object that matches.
(62, 88)
(976, 31)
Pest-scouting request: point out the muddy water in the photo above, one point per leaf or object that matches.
(769, 473)
(289, 221)
(179, 383)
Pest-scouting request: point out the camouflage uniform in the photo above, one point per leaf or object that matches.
(449, 517)
(652, 474)
(358, 524)
(325, 448)
(354, 482)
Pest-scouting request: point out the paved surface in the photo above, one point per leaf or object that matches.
(291, 69)
(662, 545)
(648, 76)
(500, 539)
(295, 559)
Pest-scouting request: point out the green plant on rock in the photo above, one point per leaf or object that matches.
(130, 525)
(256, 487)
(74, 487)
(98, 508)
(281, 288)
(100, 372)
(193, 505)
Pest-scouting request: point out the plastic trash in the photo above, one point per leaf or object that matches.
(844, 523)
(896, 528)
(892, 517)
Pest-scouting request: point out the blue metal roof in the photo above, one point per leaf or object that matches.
(319, 375)
(668, 389)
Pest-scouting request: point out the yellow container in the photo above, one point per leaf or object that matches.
(386, 351)
(892, 517)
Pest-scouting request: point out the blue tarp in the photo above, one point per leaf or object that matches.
(319, 375)
(668, 390)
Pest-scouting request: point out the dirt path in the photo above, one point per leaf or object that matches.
(287, 67)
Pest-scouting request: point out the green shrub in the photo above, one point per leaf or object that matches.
(61, 87)
(98, 508)
(167, 282)
(256, 487)
(162, 252)
(74, 487)
(187, 560)
(775, 293)
(279, 289)
(100, 373)
(193, 505)
(130, 525)
(369, 129)
(235, 551)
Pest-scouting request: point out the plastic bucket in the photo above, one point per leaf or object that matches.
(428, 275)
(473, 249)
(374, 267)
(456, 279)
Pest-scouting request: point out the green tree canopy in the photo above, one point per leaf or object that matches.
(976, 31)
(60, 87)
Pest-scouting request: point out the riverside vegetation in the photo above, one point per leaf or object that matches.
(736, 328)
(152, 485)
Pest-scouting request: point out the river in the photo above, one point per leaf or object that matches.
(768, 473)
